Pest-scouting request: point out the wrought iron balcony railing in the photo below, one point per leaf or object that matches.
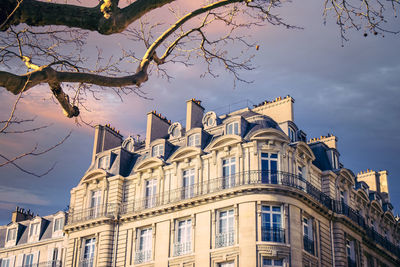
(224, 239)
(87, 262)
(227, 183)
(273, 234)
(142, 256)
(182, 248)
(109, 210)
(308, 244)
(54, 263)
(351, 262)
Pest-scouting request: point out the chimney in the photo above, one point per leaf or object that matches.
(329, 140)
(105, 138)
(21, 215)
(194, 114)
(280, 109)
(157, 126)
(383, 182)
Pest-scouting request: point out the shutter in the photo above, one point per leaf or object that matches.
(20, 260)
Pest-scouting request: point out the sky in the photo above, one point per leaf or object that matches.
(351, 91)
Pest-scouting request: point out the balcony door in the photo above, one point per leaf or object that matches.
(269, 168)
(88, 253)
(95, 204)
(188, 184)
(228, 172)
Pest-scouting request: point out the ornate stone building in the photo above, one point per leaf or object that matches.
(238, 189)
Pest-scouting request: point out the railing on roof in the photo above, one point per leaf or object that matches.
(227, 183)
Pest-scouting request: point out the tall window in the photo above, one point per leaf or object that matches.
(158, 150)
(308, 239)
(88, 253)
(271, 224)
(34, 229)
(188, 184)
(5, 263)
(228, 172)
(104, 162)
(151, 189)
(28, 260)
(58, 224)
(225, 232)
(272, 262)
(12, 234)
(351, 254)
(269, 168)
(144, 246)
(232, 128)
(125, 191)
(95, 200)
(194, 140)
(183, 239)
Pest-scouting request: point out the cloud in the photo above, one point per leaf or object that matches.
(10, 196)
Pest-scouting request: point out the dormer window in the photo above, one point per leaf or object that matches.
(175, 130)
(291, 134)
(335, 161)
(34, 229)
(58, 224)
(158, 150)
(194, 140)
(104, 162)
(12, 234)
(232, 128)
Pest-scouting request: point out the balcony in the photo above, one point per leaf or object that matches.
(43, 264)
(100, 211)
(182, 248)
(142, 256)
(308, 245)
(224, 239)
(273, 234)
(88, 262)
(231, 183)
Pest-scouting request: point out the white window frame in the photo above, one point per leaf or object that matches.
(274, 262)
(268, 176)
(225, 237)
(5, 262)
(13, 236)
(28, 260)
(188, 177)
(274, 236)
(183, 237)
(88, 252)
(94, 203)
(104, 162)
(126, 187)
(228, 172)
(226, 264)
(58, 224)
(157, 150)
(144, 245)
(150, 192)
(350, 249)
(233, 128)
(34, 229)
(194, 140)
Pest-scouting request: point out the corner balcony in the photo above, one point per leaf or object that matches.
(108, 211)
(269, 234)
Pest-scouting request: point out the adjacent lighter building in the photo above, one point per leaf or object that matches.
(238, 189)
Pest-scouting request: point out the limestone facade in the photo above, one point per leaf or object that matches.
(238, 189)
